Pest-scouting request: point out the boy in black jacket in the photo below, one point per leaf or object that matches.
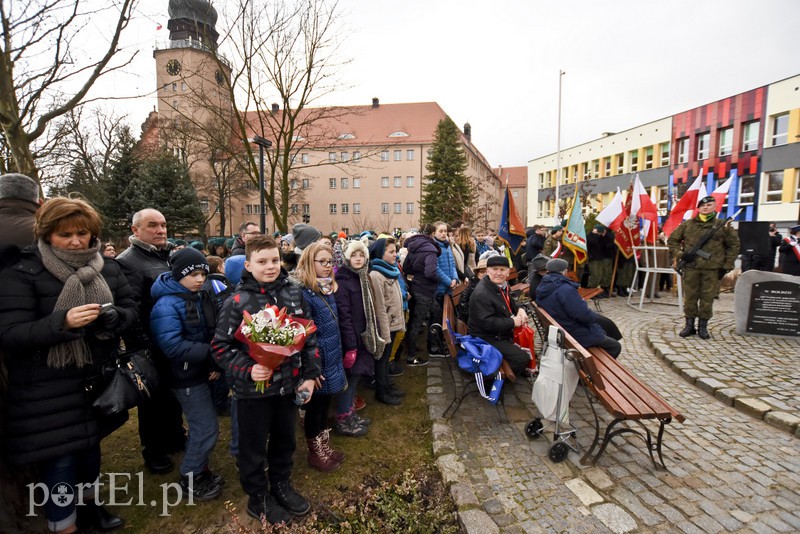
(273, 413)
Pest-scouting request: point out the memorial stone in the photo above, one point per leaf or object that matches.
(767, 304)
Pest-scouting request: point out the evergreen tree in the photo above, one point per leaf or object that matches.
(447, 195)
(163, 183)
(114, 203)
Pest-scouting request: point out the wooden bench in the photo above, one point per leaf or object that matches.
(622, 394)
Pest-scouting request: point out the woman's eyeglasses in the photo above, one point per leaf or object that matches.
(324, 263)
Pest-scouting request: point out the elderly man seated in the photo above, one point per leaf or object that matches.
(558, 296)
(493, 314)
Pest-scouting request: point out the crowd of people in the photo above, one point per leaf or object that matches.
(69, 302)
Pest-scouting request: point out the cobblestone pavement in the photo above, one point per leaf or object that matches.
(727, 469)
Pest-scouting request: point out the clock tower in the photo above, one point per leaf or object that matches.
(191, 77)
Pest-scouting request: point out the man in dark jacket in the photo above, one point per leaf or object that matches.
(420, 268)
(19, 200)
(535, 242)
(558, 296)
(160, 419)
(601, 249)
(246, 230)
(493, 314)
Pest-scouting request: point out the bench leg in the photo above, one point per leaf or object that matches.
(587, 456)
(646, 436)
(661, 425)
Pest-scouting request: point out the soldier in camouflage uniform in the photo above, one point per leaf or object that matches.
(702, 275)
(551, 244)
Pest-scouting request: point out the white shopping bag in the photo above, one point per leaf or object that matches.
(555, 373)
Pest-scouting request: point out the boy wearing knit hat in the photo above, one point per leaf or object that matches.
(182, 323)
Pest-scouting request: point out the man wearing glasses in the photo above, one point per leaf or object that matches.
(246, 230)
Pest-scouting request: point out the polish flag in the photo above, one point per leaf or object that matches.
(612, 215)
(642, 206)
(687, 203)
(702, 193)
(721, 192)
(158, 26)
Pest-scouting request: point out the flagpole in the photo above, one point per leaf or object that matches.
(614, 273)
(561, 74)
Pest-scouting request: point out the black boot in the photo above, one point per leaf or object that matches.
(92, 515)
(286, 496)
(689, 330)
(702, 329)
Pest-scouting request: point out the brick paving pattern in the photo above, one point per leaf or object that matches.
(728, 470)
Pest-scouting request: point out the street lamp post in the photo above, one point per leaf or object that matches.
(262, 144)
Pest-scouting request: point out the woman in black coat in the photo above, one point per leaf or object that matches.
(56, 334)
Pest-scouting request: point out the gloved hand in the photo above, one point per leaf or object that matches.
(106, 323)
(721, 273)
(349, 359)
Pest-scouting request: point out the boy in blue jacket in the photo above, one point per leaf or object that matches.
(182, 322)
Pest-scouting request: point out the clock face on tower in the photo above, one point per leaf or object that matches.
(173, 67)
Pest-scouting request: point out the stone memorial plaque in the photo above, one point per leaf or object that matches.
(774, 308)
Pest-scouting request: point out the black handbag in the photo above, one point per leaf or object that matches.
(133, 380)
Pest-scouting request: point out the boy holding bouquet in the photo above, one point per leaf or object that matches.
(266, 397)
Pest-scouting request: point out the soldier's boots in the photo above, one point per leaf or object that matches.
(702, 329)
(689, 330)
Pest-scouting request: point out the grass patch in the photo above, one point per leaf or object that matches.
(388, 482)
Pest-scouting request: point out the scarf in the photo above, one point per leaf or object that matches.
(386, 269)
(792, 242)
(325, 285)
(707, 217)
(372, 340)
(79, 271)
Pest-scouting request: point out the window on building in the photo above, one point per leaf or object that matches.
(293, 209)
(683, 150)
(345, 156)
(345, 209)
(725, 141)
(648, 157)
(356, 207)
(780, 129)
(306, 209)
(385, 181)
(384, 155)
(293, 183)
(356, 183)
(332, 183)
(596, 168)
(356, 156)
(634, 157)
(293, 159)
(204, 204)
(174, 104)
(585, 174)
(384, 207)
(345, 183)
(304, 183)
(574, 173)
(304, 159)
(664, 154)
(398, 181)
(773, 192)
(541, 180)
(409, 207)
(183, 86)
(252, 209)
(797, 185)
(332, 209)
(663, 198)
(174, 86)
(332, 157)
(703, 144)
(409, 181)
(398, 207)
(747, 189)
(620, 163)
(750, 136)
(398, 155)
(410, 155)
(607, 166)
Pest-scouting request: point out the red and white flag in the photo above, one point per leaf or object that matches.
(721, 192)
(642, 206)
(687, 203)
(612, 215)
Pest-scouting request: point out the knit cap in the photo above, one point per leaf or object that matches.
(304, 235)
(186, 261)
(557, 265)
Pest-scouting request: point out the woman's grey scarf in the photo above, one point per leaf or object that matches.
(79, 270)
(372, 339)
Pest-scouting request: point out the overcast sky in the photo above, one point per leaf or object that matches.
(495, 63)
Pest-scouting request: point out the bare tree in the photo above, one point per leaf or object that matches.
(43, 74)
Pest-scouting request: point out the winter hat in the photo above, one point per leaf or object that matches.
(19, 186)
(481, 265)
(197, 245)
(288, 238)
(304, 235)
(706, 200)
(342, 235)
(180, 243)
(556, 228)
(557, 265)
(539, 262)
(497, 260)
(186, 261)
(794, 229)
(354, 245)
(377, 249)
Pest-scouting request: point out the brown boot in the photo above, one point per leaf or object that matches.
(336, 456)
(318, 456)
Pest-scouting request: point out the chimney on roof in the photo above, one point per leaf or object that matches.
(468, 131)
(275, 108)
(375, 102)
